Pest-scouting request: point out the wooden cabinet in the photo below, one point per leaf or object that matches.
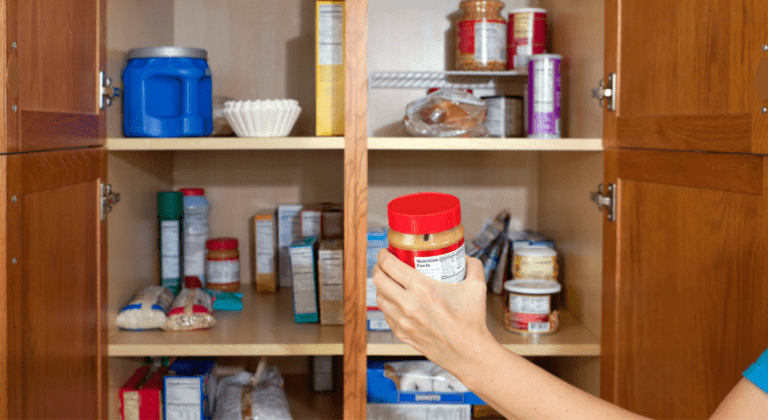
(670, 292)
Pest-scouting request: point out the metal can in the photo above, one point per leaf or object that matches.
(544, 96)
(504, 117)
(526, 35)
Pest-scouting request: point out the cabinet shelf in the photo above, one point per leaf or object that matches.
(224, 143)
(264, 327)
(430, 79)
(487, 143)
(571, 339)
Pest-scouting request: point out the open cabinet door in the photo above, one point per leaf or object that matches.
(52, 236)
(684, 277)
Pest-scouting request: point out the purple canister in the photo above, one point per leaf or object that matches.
(544, 96)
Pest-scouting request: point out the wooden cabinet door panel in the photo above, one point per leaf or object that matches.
(56, 290)
(686, 73)
(684, 279)
(60, 52)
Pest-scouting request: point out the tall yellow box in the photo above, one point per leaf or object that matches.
(329, 55)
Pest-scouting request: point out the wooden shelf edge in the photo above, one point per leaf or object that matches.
(573, 339)
(143, 350)
(489, 144)
(225, 143)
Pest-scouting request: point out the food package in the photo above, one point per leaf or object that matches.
(146, 310)
(252, 397)
(191, 310)
(422, 376)
(446, 113)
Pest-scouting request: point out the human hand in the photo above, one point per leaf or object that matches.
(445, 322)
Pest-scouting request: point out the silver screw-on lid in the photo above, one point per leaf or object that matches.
(168, 51)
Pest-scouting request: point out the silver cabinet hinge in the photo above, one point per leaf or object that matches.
(608, 200)
(107, 91)
(108, 200)
(607, 91)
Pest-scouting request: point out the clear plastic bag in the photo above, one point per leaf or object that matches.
(446, 113)
(146, 310)
(422, 376)
(252, 397)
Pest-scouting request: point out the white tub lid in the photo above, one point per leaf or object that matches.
(533, 286)
(528, 10)
(536, 251)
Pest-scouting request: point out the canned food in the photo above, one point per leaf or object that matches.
(544, 96)
(526, 35)
(528, 306)
(504, 117)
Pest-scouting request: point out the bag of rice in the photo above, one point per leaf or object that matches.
(146, 310)
(191, 310)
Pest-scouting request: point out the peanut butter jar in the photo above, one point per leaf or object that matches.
(426, 233)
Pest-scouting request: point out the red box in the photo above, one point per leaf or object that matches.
(141, 398)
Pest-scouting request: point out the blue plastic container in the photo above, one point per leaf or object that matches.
(167, 93)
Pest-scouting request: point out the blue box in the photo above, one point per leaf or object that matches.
(382, 390)
(189, 390)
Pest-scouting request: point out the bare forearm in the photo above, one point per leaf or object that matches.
(519, 389)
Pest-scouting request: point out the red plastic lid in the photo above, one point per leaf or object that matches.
(435, 89)
(192, 191)
(217, 244)
(423, 213)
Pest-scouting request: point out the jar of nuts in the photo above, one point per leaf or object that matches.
(481, 36)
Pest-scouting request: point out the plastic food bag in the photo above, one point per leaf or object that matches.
(191, 310)
(146, 310)
(446, 113)
(422, 376)
(252, 397)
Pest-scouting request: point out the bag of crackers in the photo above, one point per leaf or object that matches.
(446, 113)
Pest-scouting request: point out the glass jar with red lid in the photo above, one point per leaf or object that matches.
(223, 264)
(426, 233)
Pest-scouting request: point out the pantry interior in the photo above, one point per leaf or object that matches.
(265, 50)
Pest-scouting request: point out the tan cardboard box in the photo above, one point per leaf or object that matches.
(329, 53)
(331, 286)
(265, 261)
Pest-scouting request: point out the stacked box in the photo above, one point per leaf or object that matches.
(303, 254)
(332, 223)
(141, 398)
(329, 53)
(288, 231)
(311, 222)
(265, 259)
(189, 389)
(377, 239)
(331, 286)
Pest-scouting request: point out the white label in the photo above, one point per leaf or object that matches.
(447, 268)
(331, 273)
(538, 326)
(194, 255)
(490, 41)
(370, 293)
(310, 223)
(536, 268)
(265, 246)
(182, 399)
(170, 251)
(302, 266)
(195, 222)
(222, 272)
(538, 305)
(544, 87)
(330, 34)
(288, 230)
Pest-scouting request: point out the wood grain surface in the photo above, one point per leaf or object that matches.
(681, 301)
(355, 208)
(57, 331)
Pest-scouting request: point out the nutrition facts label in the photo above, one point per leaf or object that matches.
(447, 268)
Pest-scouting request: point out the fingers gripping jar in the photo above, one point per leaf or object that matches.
(481, 37)
(426, 233)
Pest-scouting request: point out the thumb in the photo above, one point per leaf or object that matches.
(475, 270)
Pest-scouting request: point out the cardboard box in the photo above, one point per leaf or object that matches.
(311, 221)
(419, 411)
(331, 281)
(288, 231)
(329, 54)
(382, 390)
(141, 398)
(376, 321)
(189, 389)
(377, 239)
(265, 259)
(304, 269)
(332, 224)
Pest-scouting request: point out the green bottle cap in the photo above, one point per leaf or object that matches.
(170, 205)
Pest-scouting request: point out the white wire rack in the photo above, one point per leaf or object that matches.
(430, 79)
